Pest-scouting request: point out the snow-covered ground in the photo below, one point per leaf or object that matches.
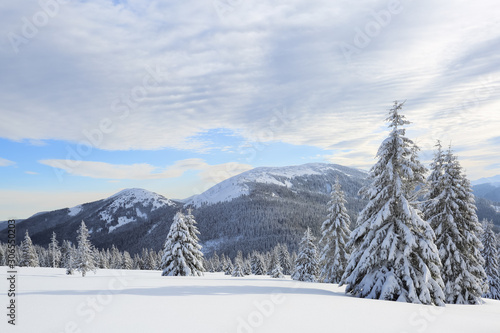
(144, 301)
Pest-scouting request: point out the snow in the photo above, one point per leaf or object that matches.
(496, 208)
(122, 220)
(128, 199)
(141, 214)
(74, 210)
(144, 301)
(237, 186)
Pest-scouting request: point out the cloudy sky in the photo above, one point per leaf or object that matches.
(175, 96)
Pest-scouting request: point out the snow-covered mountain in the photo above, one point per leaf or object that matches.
(254, 210)
(288, 177)
(122, 219)
(494, 181)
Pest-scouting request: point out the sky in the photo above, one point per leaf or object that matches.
(176, 96)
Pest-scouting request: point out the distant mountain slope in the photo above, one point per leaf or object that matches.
(487, 191)
(264, 206)
(123, 219)
(494, 181)
(254, 210)
(291, 177)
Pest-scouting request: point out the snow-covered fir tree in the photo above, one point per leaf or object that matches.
(137, 261)
(450, 209)
(215, 263)
(306, 265)
(335, 232)
(128, 263)
(247, 267)
(228, 269)
(238, 266)
(491, 260)
(258, 265)
(393, 252)
(182, 254)
(277, 270)
(54, 251)
(191, 224)
(285, 260)
(68, 253)
(29, 256)
(85, 260)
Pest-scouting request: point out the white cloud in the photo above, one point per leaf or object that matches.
(143, 171)
(232, 69)
(4, 162)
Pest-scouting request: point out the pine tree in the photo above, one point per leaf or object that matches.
(491, 256)
(451, 211)
(228, 269)
(306, 265)
(29, 256)
(238, 266)
(128, 263)
(277, 270)
(85, 260)
(215, 262)
(258, 266)
(393, 254)
(137, 261)
(247, 267)
(335, 235)
(191, 224)
(68, 253)
(54, 251)
(182, 255)
(285, 260)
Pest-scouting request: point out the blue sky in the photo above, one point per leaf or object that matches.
(177, 96)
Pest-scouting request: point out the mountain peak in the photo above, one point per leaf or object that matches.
(239, 185)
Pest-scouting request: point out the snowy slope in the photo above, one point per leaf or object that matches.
(239, 185)
(143, 301)
(129, 205)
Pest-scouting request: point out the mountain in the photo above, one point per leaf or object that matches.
(487, 191)
(293, 177)
(494, 181)
(125, 219)
(254, 210)
(251, 211)
(265, 206)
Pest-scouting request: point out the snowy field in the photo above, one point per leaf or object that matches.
(143, 301)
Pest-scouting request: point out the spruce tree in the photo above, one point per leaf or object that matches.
(215, 263)
(277, 270)
(285, 260)
(306, 265)
(182, 255)
(491, 256)
(29, 256)
(393, 254)
(238, 266)
(54, 251)
(85, 260)
(258, 265)
(128, 263)
(68, 253)
(451, 211)
(335, 235)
